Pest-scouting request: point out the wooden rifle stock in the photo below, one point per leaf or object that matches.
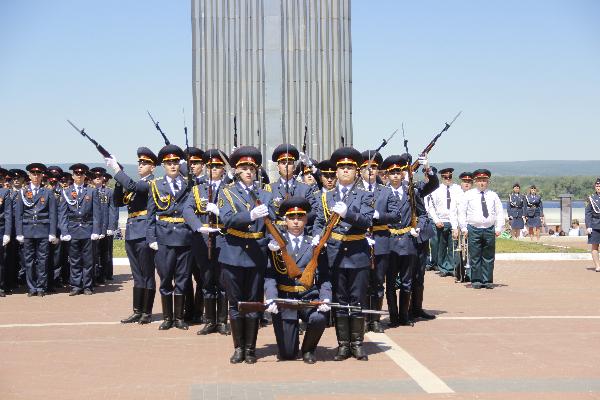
(308, 275)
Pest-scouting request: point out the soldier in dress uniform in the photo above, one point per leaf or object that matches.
(327, 176)
(96, 179)
(348, 250)
(14, 256)
(135, 196)
(194, 299)
(207, 235)
(441, 210)
(481, 218)
(111, 225)
(387, 211)
(403, 241)
(35, 220)
(5, 228)
(279, 285)
(514, 209)
(286, 155)
(243, 255)
(55, 255)
(592, 223)
(533, 209)
(80, 220)
(168, 233)
(308, 173)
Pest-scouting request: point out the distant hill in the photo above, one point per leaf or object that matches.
(531, 168)
(514, 168)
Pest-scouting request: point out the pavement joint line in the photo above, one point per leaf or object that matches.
(426, 379)
(92, 323)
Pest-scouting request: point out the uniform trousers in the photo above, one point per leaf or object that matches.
(350, 287)
(418, 278)
(35, 253)
(141, 261)
(482, 253)
(212, 286)
(445, 256)
(173, 264)
(287, 334)
(54, 264)
(433, 250)
(82, 263)
(106, 256)
(400, 273)
(242, 284)
(2, 267)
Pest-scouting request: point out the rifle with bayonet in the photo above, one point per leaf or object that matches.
(411, 186)
(190, 173)
(309, 271)
(255, 306)
(235, 137)
(415, 165)
(158, 129)
(292, 268)
(105, 153)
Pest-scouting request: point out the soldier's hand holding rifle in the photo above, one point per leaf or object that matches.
(271, 307)
(273, 245)
(212, 208)
(112, 162)
(324, 307)
(260, 211)
(340, 208)
(5, 240)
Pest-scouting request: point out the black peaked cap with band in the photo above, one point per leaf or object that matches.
(371, 154)
(294, 205)
(195, 154)
(170, 152)
(346, 156)
(214, 157)
(147, 155)
(466, 176)
(79, 167)
(285, 152)
(36, 167)
(482, 173)
(395, 162)
(248, 155)
(446, 171)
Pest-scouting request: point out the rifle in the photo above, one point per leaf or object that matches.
(158, 129)
(411, 187)
(343, 139)
(210, 216)
(428, 148)
(235, 141)
(105, 153)
(292, 269)
(309, 271)
(190, 174)
(304, 139)
(293, 304)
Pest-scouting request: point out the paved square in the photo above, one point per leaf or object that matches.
(536, 335)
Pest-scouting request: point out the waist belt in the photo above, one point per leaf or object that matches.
(220, 226)
(245, 235)
(347, 238)
(137, 213)
(38, 220)
(78, 219)
(173, 220)
(400, 231)
(292, 289)
(380, 228)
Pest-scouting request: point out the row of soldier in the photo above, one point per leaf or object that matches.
(213, 228)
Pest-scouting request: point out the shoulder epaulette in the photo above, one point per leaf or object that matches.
(267, 188)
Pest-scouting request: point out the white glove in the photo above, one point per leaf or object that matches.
(340, 208)
(208, 229)
(371, 241)
(65, 238)
(110, 232)
(415, 232)
(111, 162)
(324, 307)
(52, 239)
(5, 240)
(153, 245)
(102, 236)
(271, 307)
(20, 238)
(230, 174)
(273, 245)
(259, 212)
(305, 160)
(424, 161)
(376, 215)
(95, 236)
(315, 240)
(589, 231)
(212, 208)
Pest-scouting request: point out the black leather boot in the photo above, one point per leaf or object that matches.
(376, 304)
(179, 306)
(357, 336)
(210, 314)
(167, 306)
(404, 318)
(198, 310)
(342, 331)
(146, 317)
(138, 304)
(392, 302)
(309, 344)
(250, 335)
(417, 304)
(222, 312)
(237, 332)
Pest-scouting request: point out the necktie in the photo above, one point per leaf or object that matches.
(175, 187)
(35, 192)
(344, 191)
(296, 244)
(484, 206)
(448, 197)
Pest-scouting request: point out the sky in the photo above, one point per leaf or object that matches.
(524, 73)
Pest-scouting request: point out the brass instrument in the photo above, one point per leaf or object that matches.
(461, 246)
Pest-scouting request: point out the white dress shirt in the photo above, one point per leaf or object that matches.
(397, 192)
(440, 212)
(470, 211)
(292, 237)
(366, 185)
(34, 189)
(170, 182)
(454, 211)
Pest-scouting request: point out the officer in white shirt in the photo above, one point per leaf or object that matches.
(462, 272)
(440, 211)
(481, 218)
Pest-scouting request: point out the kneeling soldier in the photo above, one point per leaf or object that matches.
(279, 285)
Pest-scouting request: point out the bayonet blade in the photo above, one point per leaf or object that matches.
(153, 121)
(74, 127)
(457, 115)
